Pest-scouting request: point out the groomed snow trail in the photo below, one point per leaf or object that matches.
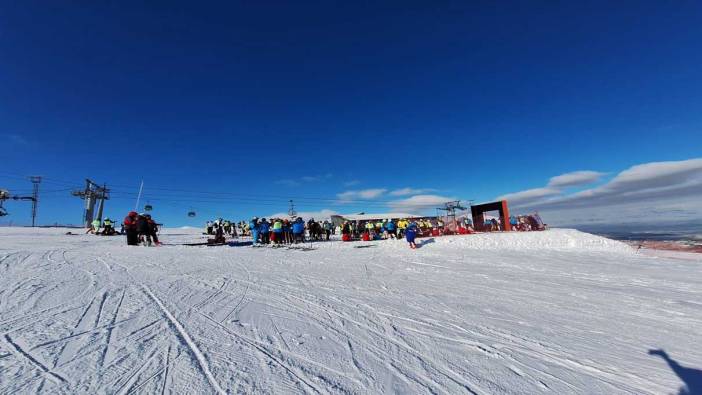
(544, 312)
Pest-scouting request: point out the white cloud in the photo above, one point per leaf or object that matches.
(530, 194)
(645, 182)
(320, 215)
(636, 192)
(294, 182)
(361, 194)
(410, 191)
(419, 203)
(582, 177)
(288, 182)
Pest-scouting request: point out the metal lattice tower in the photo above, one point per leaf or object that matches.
(291, 209)
(36, 180)
(451, 208)
(91, 194)
(5, 195)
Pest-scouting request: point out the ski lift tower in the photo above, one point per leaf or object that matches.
(451, 208)
(291, 211)
(5, 195)
(36, 180)
(91, 194)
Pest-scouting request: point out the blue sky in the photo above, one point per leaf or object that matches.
(339, 105)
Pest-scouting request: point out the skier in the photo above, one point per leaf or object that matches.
(153, 229)
(390, 228)
(217, 226)
(233, 231)
(208, 228)
(253, 227)
(401, 226)
(265, 229)
(370, 228)
(278, 231)
(298, 229)
(327, 229)
(109, 227)
(410, 234)
(218, 233)
(130, 227)
(346, 231)
(94, 227)
(144, 229)
(287, 232)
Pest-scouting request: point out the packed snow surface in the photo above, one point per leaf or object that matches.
(516, 313)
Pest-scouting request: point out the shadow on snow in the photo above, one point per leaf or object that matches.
(691, 377)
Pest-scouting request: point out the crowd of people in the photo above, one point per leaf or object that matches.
(107, 225)
(394, 229)
(287, 231)
(140, 229)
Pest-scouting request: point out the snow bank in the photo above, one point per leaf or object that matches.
(554, 239)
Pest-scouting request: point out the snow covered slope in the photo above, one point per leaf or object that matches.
(521, 313)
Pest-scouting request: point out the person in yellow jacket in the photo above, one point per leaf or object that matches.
(401, 226)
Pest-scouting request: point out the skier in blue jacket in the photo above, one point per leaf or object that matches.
(298, 229)
(411, 233)
(265, 229)
(391, 229)
(253, 226)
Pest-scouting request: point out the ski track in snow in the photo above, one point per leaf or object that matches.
(551, 312)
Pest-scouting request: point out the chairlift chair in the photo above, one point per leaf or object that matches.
(148, 207)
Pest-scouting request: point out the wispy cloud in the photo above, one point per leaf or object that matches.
(294, 182)
(529, 195)
(361, 194)
(583, 177)
(635, 189)
(419, 203)
(411, 191)
(351, 183)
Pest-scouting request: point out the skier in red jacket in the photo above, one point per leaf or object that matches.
(130, 226)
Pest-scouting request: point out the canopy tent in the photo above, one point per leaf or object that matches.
(340, 218)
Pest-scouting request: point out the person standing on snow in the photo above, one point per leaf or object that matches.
(370, 228)
(94, 227)
(401, 226)
(410, 234)
(144, 229)
(277, 231)
(253, 227)
(153, 229)
(390, 228)
(109, 229)
(130, 227)
(265, 229)
(298, 229)
(327, 229)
